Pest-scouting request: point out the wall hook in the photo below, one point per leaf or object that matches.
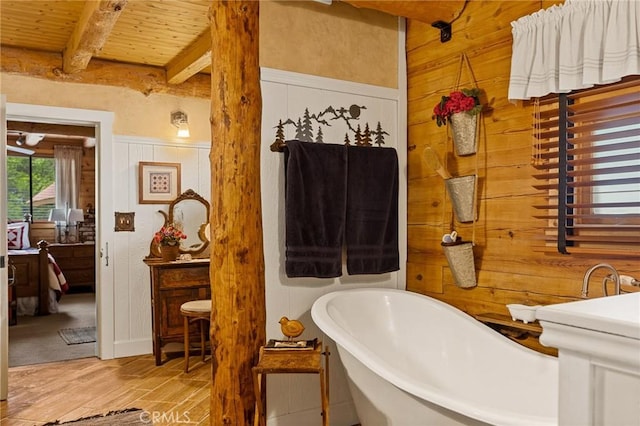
(445, 30)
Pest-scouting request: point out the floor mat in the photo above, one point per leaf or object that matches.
(75, 336)
(128, 417)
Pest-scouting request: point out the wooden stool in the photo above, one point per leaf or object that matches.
(195, 310)
(290, 361)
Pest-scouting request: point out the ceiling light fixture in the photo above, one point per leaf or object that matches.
(22, 138)
(179, 119)
(34, 139)
(31, 139)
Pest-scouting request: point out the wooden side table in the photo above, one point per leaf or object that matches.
(281, 361)
(505, 325)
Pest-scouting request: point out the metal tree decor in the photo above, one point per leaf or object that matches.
(304, 130)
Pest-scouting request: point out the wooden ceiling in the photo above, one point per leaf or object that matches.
(52, 134)
(427, 11)
(171, 35)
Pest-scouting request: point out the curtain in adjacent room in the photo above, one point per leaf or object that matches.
(574, 46)
(68, 161)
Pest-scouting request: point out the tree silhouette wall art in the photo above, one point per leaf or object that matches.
(305, 126)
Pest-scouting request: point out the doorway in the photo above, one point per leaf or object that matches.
(102, 121)
(33, 174)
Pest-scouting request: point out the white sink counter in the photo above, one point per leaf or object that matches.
(598, 343)
(618, 315)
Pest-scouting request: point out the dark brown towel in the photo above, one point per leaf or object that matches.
(315, 205)
(372, 211)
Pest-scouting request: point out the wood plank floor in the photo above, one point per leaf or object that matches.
(68, 390)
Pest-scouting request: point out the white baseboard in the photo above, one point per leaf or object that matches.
(341, 414)
(124, 348)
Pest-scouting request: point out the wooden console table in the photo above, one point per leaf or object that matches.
(172, 284)
(290, 361)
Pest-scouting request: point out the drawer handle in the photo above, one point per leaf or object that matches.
(12, 277)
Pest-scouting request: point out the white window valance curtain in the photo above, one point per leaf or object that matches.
(573, 46)
(68, 161)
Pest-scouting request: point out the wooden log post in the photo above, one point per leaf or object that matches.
(237, 258)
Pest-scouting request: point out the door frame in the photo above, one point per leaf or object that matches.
(4, 276)
(103, 124)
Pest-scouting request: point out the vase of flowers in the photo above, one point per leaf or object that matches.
(461, 109)
(168, 239)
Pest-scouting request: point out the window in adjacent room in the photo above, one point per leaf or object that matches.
(30, 187)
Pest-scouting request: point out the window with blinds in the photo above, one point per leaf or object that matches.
(586, 153)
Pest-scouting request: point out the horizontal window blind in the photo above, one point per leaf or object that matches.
(586, 155)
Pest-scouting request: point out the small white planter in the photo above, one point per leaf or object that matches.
(524, 313)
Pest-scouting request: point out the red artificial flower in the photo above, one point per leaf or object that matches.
(464, 100)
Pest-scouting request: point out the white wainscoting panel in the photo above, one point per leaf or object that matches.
(131, 287)
(295, 399)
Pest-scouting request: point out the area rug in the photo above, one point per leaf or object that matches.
(75, 336)
(127, 417)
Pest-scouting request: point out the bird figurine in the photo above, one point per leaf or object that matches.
(291, 328)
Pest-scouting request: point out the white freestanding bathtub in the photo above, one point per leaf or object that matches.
(412, 360)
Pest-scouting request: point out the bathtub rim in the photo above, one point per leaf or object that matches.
(343, 339)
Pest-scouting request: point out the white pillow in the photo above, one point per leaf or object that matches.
(18, 236)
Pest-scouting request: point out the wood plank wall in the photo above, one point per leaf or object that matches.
(508, 270)
(87, 193)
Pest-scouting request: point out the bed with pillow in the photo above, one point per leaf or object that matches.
(38, 281)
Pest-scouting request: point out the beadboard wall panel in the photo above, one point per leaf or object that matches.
(294, 399)
(132, 295)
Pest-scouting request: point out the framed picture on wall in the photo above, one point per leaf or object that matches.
(158, 183)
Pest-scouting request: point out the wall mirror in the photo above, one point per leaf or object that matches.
(190, 213)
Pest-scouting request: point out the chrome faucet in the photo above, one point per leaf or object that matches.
(614, 276)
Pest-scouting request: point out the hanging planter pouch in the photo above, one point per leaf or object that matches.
(463, 127)
(462, 193)
(461, 262)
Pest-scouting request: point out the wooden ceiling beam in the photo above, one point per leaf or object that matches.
(45, 146)
(191, 60)
(51, 129)
(142, 78)
(90, 33)
(427, 11)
